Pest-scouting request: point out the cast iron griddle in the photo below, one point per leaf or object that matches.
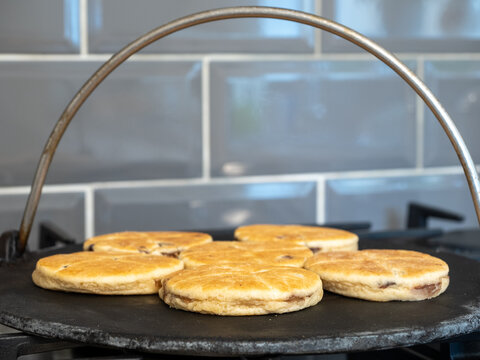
(336, 324)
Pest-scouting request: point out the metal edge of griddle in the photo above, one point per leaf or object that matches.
(207, 347)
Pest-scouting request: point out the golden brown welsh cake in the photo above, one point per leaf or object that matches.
(104, 273)
(318, 239)
(242, 290)
(381, 275)
(167, 243)
(227, 252)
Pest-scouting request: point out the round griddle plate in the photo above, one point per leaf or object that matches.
(336, 324)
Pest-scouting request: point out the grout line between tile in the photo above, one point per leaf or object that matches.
(51, 57)
(15, 190)
(321, 201)
(47, 189)
(287, 57)
(420, 116)
(85, 56)
(444, 56)
(447, 170)
(401, 55)
(89, 212)
(201, 181)
(83, 15)
(206, 151)
(63, 188)
(95, 57)
(318, 7)
(278, 178)
(212, 57)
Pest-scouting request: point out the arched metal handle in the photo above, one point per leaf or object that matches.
(232, 13)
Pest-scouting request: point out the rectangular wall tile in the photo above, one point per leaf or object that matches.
(203, 206)
(408, 25)
(276, 117)
(114, 23)
(47, 26)
(383, 201)
(457, 86)
(143, 122)
(65, 210)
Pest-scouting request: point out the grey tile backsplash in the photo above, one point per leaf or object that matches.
(237, 121)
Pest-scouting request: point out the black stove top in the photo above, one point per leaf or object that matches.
(462, 242)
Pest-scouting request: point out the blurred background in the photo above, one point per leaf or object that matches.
(239, 121)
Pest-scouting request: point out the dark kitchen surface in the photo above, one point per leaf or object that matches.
(465, 242)
(336, 324)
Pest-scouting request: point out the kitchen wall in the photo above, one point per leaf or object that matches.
(235, 122)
